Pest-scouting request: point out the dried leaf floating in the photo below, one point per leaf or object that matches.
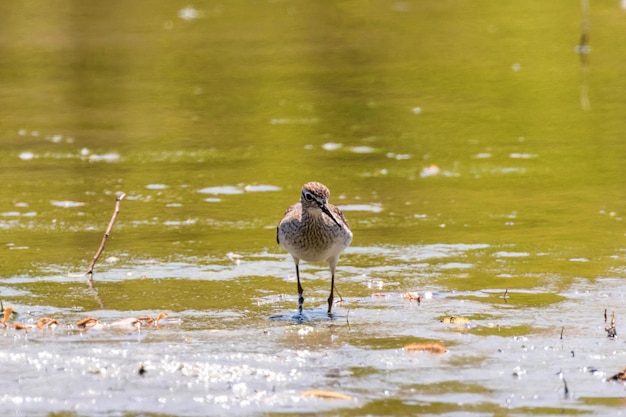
(47, 322)
(7, 315)
(455, 320)
(330, 395)
(19, 326)
(90, 323)
(432, 347)
(412, 296)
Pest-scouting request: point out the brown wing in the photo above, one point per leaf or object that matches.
(289, 213)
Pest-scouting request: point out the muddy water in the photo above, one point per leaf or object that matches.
(477, 156)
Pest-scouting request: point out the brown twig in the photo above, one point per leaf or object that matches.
(89, 272)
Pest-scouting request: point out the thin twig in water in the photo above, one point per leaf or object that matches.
(562, 328)
(89, 272)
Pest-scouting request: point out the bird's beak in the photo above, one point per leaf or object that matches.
(329, 214)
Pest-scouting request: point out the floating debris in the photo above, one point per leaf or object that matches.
(412, 296)
(90, 323)
(611, 331)
(432, 347)
(330, 395)
(620, 376)
(455, 320)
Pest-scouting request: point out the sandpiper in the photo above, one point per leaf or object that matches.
(313, 230)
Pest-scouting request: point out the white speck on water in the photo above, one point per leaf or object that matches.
(579, 260)
(213, 200)
(66, 203)
(156, 186)
(331, 146)
(27, 156)
(188, 13)
(482, 155)
(516, 67)
(174, 205)
(188, 222)
(520, 155)
(455, 265)
(505, 254)
(224, 189)
(303, 331)
(430, 171)
(261, 188)
(362, 149)
(399, 156)
(416, 110)
(372, 208)
(10, 214)
(107, 157)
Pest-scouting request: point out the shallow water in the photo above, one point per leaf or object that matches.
(454, 136)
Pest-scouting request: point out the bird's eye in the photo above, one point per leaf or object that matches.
(308, 197)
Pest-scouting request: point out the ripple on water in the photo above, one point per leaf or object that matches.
(373, 208)
(66, 203)
(239, 189)
(156, 186)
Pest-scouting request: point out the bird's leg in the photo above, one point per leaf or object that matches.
(332, 292)
(300, 290)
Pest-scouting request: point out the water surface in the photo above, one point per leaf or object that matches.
(477, 155)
